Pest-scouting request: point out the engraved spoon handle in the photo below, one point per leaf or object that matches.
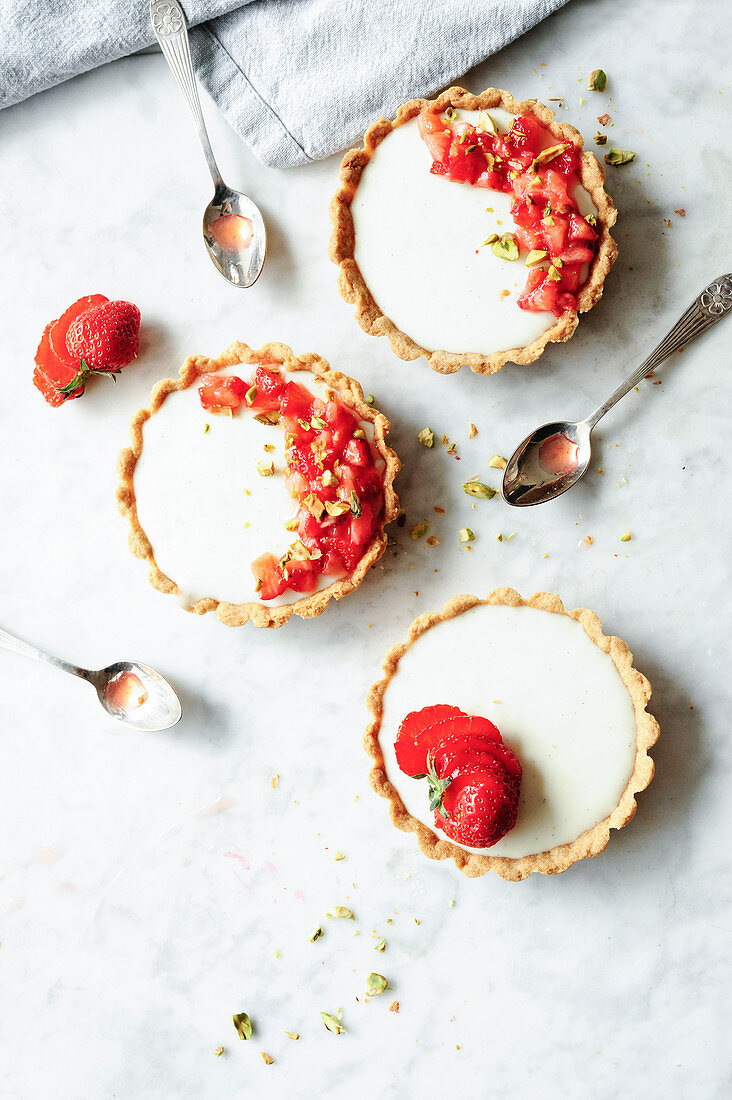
(171, 31)
(15, 645)
(706, 309)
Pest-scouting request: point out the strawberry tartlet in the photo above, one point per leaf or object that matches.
(258, 485)
(471, 230)
(510, 735)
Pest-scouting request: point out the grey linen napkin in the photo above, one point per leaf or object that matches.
(297, 79)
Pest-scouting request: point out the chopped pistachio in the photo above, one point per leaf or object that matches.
(497, 462)
(337, 507)
(619, 156)
(266, 1058)
(591, 219)
(332, 1023)
(359, 434)
(250, 394)
(499, 537)
(206, 428)
(427, 437)
(291, 524)
(319, 449)
(318, 422)
(316, 934)
(489, 209)
(478, 489)
(472, 430)
(266, 469)
(328, 477)
(626, 537)
(218, 1051)
(355, 503)
(506, 248)
(376, 984)
(490, 239)
(292, 1034)
(485, 122)
(466, 535)
(452, 449)
(536, 256)
(548, 220)
(418, 531)
(269, 447)
(304, 424)
(243, 1025)
(274, 782)
(600, 139)
(548, 155)
(596, 81)
(450, 114)
(259, 584)
(553, 274)
(341, 911)
(339, 855)
(380, 945)
(313, 505)
(298, 551)
(369, 399)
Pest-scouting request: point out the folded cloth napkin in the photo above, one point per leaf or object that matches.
(297, 79)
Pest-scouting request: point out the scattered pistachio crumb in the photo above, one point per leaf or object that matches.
(427, 438)
(472, 430)
(505, 247)
(600, 139)
(339, 855)
(250, 394)
(269, 447)
(376, 984)
(292, 1034)
(596, 81)
(451, 903)
(369, 399)
(341, 911)
(207, 428)
(266, 1058)
(499, 537)
(418, 531)
(265, 469)
(626, 537)
(619, 156)
(478, 489)
(316, 934)
(275, 781)
(497, 462)
(243, 1025)
(218, 1051)
(466, 535)
(380, 945)
(509, 537)
(332, 1023)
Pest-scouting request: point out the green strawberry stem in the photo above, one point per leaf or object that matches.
(82, 377)
(436, 785)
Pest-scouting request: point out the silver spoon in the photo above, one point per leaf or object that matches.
(233, 228)
(554, 457)
(131, 692)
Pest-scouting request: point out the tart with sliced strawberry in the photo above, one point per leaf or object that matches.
(472, 230)
(258, 485)
(510, 735)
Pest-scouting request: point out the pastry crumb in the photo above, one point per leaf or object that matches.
(266, 1058)
(275, 780)
(503, 294)
(394, 1006)
(472, 430)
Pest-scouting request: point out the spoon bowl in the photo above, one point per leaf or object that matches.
(137, 695)
(235, 236)
(549, 461)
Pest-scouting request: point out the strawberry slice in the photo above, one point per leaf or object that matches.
(478, 808)
(61, 327)
(459, 753)
(410, 746)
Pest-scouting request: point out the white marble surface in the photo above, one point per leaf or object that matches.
(133, 921)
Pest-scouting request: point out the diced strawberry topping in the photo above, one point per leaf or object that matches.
(333, 476)
(222, 393)
(473, 777)
(542, 174)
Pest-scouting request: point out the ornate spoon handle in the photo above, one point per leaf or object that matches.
(712, 304)
(15, 645)
(169, 24)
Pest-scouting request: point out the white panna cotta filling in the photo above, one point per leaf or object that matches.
(201, 501)
(419, 247)
(557, 699)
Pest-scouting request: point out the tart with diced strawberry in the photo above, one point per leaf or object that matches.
(258, 485)
(510, 735)
(472, 230)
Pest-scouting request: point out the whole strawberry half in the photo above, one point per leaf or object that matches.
(478, 808)
(106, 337)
